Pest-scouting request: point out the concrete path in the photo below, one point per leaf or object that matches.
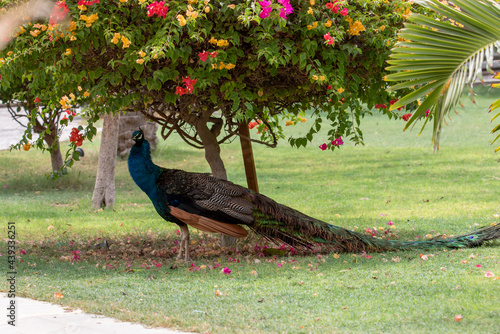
(11, 131)
(36, 317)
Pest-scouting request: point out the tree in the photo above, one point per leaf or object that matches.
(200, 68)
(440, 57)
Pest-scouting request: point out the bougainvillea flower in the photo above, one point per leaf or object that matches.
(323, 146)
(157, 8)
(406, 117)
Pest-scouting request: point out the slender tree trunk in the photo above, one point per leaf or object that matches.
(104, 190)
(55, 154)
(212, 155)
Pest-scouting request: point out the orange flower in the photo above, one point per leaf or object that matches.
(58, 295)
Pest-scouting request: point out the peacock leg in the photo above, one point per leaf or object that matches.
(184, 249)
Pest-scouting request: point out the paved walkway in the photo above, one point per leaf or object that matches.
(35, 317)
(38, 317)
(11, 132)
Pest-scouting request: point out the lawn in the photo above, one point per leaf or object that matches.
(396, 177)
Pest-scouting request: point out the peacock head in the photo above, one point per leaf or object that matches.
(138, 136)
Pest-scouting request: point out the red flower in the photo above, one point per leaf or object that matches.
(252, 125)
(329, 87)
(157, 8)
(406, 117)
(180, 91)
(338, 142)
(59, 12)
(213, 54)
(394, 101)
(203, 56)
(37, 99)
(427, 112)
(380, 106)
(344, 12)
(75, 136)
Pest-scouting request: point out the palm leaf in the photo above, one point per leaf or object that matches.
(441, 57)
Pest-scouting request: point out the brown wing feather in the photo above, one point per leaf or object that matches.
(207, 224)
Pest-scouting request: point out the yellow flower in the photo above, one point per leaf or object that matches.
(288, 123)
(126, 42)
(230, 66)
(2, 61)
(86, 94)
(315, 77)
(222, 66)
(231, 6)
(348, 19)
(322, 78)
(328, 24)
(123, 1)
(27, 146)
(35, 32)
(80, 88)
(336, 256)
(312, 2)
(303, 119)
(72, 96)
(82, 7)
(10, 53)
(212, 40)
(140, 61)
(21, 30)
(116, 38)
(313, 25)
(356, 27)
(142, 1)
(68, 52)
(89, 19)
(192, 1)
(182, 20)
(310, 11)
(340, 90)
(72, 26)
(207, 9)
(142, 53)
(382, 28)
(222, 42)
(64, 101)
(214, 66)
(72, 38)
(191, 14)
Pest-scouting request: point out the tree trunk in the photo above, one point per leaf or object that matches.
(212, 155)
(55, 154)
(248, 160)
(104, 190)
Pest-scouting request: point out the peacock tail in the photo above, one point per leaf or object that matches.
(210, 204)
(282, 224)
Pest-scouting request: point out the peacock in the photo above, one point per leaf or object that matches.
(210, 204)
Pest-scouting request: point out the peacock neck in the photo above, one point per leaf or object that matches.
(142, 169)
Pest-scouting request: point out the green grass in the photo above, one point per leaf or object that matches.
(396, 177)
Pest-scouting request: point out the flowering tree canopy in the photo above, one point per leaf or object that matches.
(188, 64)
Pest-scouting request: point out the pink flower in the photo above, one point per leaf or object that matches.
(329, 87)
(427, 112)
(22, 252)
(287, 8)
(265, 12)
(478, 265)
(489, 274)
(337, 142)
(344, 12)
(280, 265)
(406, 117)
(266, 8)
(323, 146)
(76, 255)
(390, 223)
(226, 270)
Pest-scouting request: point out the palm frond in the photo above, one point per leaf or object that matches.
(441, 57)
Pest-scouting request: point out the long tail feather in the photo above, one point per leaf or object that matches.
(286, 225)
